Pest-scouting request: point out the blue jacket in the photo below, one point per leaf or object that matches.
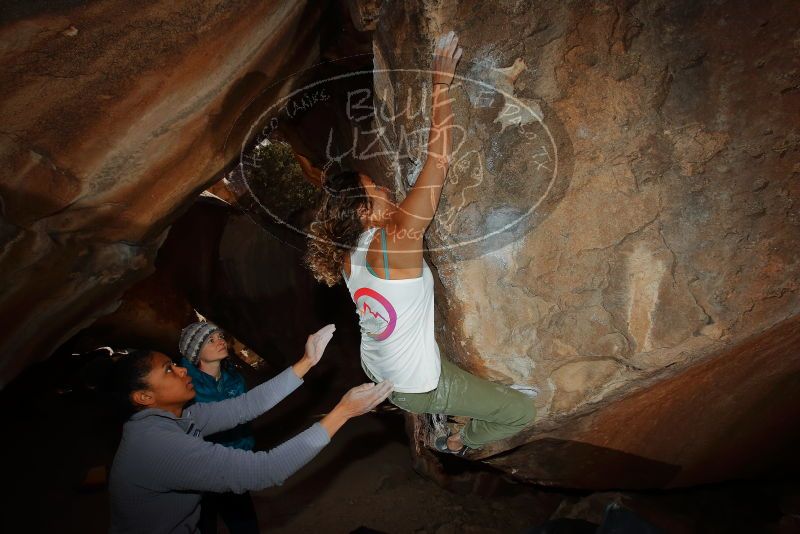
(208, 389)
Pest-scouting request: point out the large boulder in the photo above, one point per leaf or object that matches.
(619, 228)
(113, 120)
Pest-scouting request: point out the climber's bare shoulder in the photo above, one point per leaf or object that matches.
(404, 247)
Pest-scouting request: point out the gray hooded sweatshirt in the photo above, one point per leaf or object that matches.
(163, 463)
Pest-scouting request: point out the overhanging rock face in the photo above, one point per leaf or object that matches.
(620, 226)
(619, 229)
(113, 121)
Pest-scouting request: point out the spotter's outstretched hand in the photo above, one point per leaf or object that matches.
(365, 397)
(316, 343)
(315, 346)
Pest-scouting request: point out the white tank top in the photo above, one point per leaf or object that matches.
(396, 320)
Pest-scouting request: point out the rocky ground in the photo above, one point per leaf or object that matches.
(364, 479)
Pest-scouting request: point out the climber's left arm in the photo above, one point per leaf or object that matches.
(419, 206)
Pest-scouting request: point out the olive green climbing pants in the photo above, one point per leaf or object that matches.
(497, 411)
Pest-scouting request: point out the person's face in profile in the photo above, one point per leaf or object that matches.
(380, 200)
(170, 386)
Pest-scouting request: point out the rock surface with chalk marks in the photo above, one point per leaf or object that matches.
(651, 291)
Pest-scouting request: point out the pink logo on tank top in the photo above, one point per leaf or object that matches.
(377, 313)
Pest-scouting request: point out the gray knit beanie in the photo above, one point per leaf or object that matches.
(193, 337)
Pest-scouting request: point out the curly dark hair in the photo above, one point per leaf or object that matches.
(129, 374)
(336, 227)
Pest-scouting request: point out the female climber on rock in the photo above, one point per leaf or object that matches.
(163, 462)
(361, 236)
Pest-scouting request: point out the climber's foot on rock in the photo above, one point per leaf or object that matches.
(451, 444)
(454, 442)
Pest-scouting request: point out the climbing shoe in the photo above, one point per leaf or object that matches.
(441, 446)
